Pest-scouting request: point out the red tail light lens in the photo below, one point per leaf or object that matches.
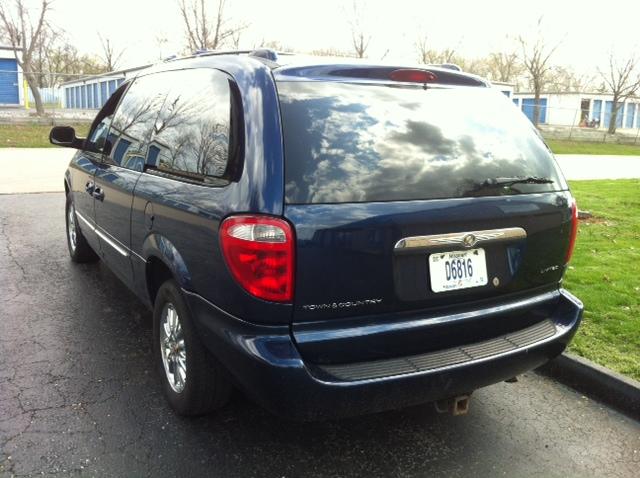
(413, 76)
(259, 251)
(574, 230)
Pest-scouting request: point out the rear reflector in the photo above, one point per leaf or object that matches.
(413, 76)
(574, 230)
(259, 252)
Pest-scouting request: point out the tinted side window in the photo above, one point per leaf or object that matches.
(192, 133)
(134, 120)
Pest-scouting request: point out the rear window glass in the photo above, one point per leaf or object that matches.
(355, 142)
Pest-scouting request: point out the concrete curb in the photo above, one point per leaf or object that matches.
(596, 381)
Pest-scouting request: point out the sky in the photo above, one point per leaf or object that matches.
(586, 33)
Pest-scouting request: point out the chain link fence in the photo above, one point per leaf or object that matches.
(587, 124)
(18, 105)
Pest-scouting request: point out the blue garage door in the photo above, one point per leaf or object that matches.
(89, 96)
(9, 87)
(597, 110)
(608, 109)
(96, 98)
(631, 113)
(527, 109)
(112, 86)
(103, 92)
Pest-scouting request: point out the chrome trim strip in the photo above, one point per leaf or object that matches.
(111, 242)
(86, 221)
(464, 239)
(105, 237)
(135, 254)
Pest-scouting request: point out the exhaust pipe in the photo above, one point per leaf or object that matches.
(455, 405)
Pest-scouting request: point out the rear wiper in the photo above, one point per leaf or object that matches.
(493, 182)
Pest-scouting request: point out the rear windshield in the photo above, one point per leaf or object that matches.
(361, 142)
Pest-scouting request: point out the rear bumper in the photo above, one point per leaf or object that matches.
(266, 364)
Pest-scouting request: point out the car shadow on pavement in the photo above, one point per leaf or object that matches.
(116, 333)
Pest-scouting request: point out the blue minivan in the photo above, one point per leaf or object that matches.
(330, 237)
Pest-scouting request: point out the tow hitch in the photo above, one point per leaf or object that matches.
(455, 405)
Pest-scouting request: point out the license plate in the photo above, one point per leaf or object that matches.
(457, 270)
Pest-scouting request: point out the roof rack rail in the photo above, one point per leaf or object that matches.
(450, 66)
(264, 53)
(205, 52)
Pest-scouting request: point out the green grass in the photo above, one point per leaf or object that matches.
(32, 135)
(605, 274)
(586, 147)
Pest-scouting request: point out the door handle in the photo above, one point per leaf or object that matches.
(98, 193)
(89, 187)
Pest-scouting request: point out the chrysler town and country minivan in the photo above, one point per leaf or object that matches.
(332, 238)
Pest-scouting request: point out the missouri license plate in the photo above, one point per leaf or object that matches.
(456, 270)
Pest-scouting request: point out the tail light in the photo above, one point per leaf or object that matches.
(574, 230)
(259, 252)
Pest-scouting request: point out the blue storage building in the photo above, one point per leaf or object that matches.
(91, 92)
(10, 78)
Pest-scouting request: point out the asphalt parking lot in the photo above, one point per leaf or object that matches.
(79, 397)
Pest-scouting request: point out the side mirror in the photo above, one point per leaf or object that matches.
(65, 136)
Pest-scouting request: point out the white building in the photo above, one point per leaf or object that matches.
(580, 109)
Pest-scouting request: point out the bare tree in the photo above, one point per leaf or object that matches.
(536, 58)
(64, 62)
(204, 31)
(110, 56)
(330, 52)
(503, 66)
(623, 80)
(359, 36)
(235, 39)
(565, 79)
(431, 56)
(273, 45)
(160, 41)
(25, 33)
(40, 62)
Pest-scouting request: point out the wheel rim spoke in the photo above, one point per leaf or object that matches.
(173, 348)
(71, 228)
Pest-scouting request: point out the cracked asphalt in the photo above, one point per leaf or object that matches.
(79, 396)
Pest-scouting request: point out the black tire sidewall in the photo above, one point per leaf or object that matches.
(83, 251)
(188, 401)
(68, 205)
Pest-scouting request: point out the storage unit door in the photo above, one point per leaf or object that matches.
(9, 87)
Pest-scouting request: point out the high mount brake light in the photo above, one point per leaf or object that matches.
(413, 76)
(574, 230)
(259, 251)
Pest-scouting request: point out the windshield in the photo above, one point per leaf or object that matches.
(362, 142)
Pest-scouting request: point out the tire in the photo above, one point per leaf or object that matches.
(79, 249)
(205, 386)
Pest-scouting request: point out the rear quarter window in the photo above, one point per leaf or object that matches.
(192, 133)
(361, 142)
